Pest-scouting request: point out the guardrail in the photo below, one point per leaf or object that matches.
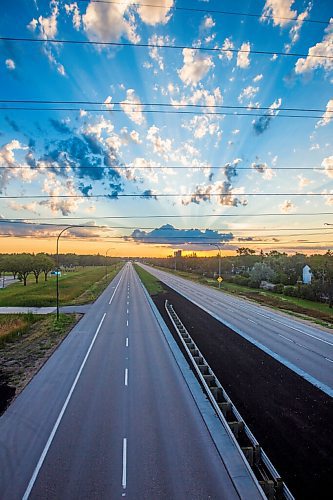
(263, 469)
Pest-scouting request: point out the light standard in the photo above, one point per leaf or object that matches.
(219, 249)
(106, 261)
(58, 237)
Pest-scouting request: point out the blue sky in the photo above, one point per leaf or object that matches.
(132, 151)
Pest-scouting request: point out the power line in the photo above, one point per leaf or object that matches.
(274, 114)
(169, 216)
(164, 46)
(161, 104)
(23, 222)
(204, 196)
(144, 167)
(209, 11)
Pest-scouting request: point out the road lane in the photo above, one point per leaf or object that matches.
(302, 346)
(130, 426)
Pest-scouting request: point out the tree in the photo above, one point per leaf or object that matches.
(245, 251)
(24, 266)
(44, 263)
(261, 271)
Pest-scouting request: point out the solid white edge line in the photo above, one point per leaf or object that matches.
(124, 481)
(126, 376)
(61, 414)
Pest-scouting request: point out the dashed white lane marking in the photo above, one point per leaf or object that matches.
(126, 376)
(61, 414)
(290, 340)
(124, 478)
(126, 342)
(330, 360)
(127, 323)
(127, 311)
(115, 291)
(251, 320)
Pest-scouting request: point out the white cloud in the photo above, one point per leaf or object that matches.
(196, 66)
(154, 52)
(48, 29)
(258, 78)
(10, 64)
(108, 104)
(287, 206)
(327, 163)
(227, 49)
(328, 197)
(295, 30)
(248, 93)
(55, 187)
(303, 181)
(207, 23)
(243, 58)
(132, 108)
(110, 22)
(279, 10)
(73, 9)
(327, 116)
(160, 146)
(201, 96)
(202, 125)
(323, 48)
(263, 168)
(157, 12)
(235, 131)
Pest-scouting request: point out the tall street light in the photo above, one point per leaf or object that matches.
(106, 261)
(219, 249)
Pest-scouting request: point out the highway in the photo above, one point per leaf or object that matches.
(114, 414)
(306, 349)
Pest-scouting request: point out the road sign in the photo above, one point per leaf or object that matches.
(220, 279)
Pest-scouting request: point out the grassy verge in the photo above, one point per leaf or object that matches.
(79, 287)
(152, 284)
(28, 344)
(306, 309)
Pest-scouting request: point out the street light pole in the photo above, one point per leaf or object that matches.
(106, 262)
(58, 237)
(219, 249)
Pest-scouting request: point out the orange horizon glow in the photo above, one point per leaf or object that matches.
(128, 248)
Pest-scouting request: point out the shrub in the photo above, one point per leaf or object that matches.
(290, 291)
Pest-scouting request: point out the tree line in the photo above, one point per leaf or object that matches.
(23, 264)
(249, 268)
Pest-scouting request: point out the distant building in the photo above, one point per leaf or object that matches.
(307, 275)
(177, 254)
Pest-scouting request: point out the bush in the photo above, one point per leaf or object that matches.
(241, 280)
(290, 291)
(278, 288)
(253, 283)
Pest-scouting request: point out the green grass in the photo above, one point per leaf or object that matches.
(152, 284)
(13, 326)
(78, 287)
(307, 309)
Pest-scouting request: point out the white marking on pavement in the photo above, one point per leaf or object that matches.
(115, 290)
(61, 414)
(126, 341)
(127, 323)
(126, 376)
(290, 340)
(252, 321)
(124, 481)
(127, 311)
(330, 360)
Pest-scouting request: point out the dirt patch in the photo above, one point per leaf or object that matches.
(22, 356)
(289, 417)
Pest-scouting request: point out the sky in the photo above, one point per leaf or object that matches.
(152, 143)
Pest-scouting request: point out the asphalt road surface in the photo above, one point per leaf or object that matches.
(111, 415)
(306, 349)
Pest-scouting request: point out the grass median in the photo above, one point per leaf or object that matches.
(78, 287)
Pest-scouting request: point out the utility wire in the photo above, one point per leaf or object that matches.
(247, 230)
(156, 46)
(208, 11)
(155, 195)
(169, 216)
(274, 113)
(161, 104)
(144, 167)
